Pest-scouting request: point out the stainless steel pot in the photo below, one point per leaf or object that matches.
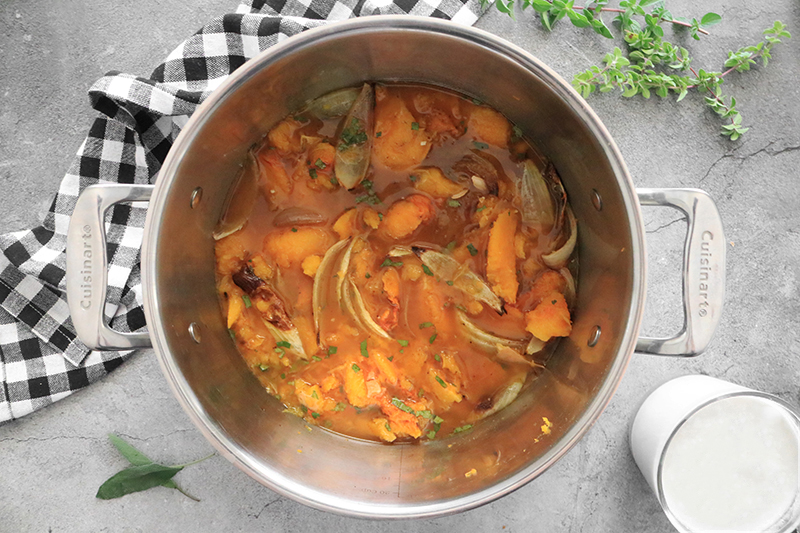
(367, 479)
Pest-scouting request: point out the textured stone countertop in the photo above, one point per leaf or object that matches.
(54, 460)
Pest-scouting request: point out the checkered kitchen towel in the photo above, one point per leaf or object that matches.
(41, 360)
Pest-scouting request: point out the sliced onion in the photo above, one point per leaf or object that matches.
(447, 268)
(361, 313)
(298, 216)
(292, 336)
(504, 353)
(569, 291)
(504, 398)
(322, 279)
(535, 346)
(536, 202)
(484, 339)
(352, 159)
(333, 104)
(400, 251)
(559, 258)
(241, 199)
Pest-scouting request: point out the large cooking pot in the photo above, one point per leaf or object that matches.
(336, 473)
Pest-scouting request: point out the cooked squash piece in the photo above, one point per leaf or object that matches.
(501, 260)
(432, 181)
(371, 218)
(446, 392)
(405, 216)
(311, 264)
(402, 142)
(401, 422)
(285, 136)
(235, 308)
(312, 397)
(489, 126)
(275, 182)
(292, 246)
(345, 225)
(230, 253)
(382, 429)
(550, 318)
(549, 281)
(355, 386)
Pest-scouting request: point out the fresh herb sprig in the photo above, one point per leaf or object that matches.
(143, 473)
(651, 64)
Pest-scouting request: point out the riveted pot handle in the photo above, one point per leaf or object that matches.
(87, 263)
(703, 271)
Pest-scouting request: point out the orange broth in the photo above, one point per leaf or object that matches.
(427, 377)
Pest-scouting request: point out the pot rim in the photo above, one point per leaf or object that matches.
(325, 501)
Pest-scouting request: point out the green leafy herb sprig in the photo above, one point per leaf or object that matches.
(143, 473)
(653, 65)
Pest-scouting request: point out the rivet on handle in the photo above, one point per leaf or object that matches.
(597, 200)
(197, 195)
(194, 332)
(595, 337)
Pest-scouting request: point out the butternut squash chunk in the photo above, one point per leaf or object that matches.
(405, 216)
(292, 246)
(402, 142)
(550, 318)
(501, 259)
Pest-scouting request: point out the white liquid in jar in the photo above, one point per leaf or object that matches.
(733, 466)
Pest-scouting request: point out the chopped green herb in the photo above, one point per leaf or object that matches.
(438, 420)
(340, 406)
(441, 382)
(281, 352)
(481, 208)
(320, 164)
(472, 250)
(476, 101)
(516, 134)
(315, 358)
(290, 383)
(425, 414)
(433, 338)
(314, 395)
(453, 203)
(355, 367)
(367, 184)
(421, 393)
(367, 275)
(294, 230)
(438, 358)
(371, 199)
(402, 342)
(431, 434)
(480, 145)
(380, 217)
(389, 262)
(304, 409)
(403, 407)
(313, 173)
(413, 177)
(232, 334)
(426, 325)
(263, 367)
(378, 134)
(283, 376)
(415, 126)
(386, 425)
(332, 350)
(449, 282)
(427, 270)
(283, 344)
(334, 181)
(315, 415)
(465, 427)
(364, 352)
(451, 246)
(390, 358)
(247, 303)
(353, 134)
(461, 308)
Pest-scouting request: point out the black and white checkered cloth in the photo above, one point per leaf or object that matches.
(41, 360)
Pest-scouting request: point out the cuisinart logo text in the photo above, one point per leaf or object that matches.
(705, 269)
(86, 271)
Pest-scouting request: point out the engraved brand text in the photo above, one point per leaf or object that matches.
(86, 271)
(705, 270)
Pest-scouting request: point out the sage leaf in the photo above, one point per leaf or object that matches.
(136, 479)
(137, 458)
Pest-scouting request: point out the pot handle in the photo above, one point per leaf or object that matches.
(703, 271)
(87, 263)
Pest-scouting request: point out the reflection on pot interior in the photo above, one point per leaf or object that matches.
(396, 262)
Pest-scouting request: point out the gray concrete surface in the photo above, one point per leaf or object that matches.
(52, 462)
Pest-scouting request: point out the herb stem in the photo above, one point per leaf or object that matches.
(618, 10)
(195, 462)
